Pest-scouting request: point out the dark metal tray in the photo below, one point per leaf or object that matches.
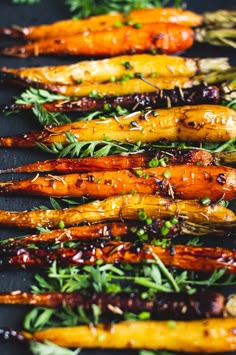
(46, 12)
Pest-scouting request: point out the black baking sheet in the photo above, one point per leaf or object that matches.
(46, 12)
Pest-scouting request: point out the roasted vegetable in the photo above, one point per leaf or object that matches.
(118, 68)
(165, 305)
(190, 123)
(152, 157)
(120, 207)
(167, 38)
(195, 95)
(183, 181)
(104, 22)
(200, 259)
(131, 231)
(211, 335)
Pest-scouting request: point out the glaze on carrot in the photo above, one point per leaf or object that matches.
(125, 207)
(167, 38)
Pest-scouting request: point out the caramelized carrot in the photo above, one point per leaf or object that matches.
(104, 70)
(125, 161)
(104, 22)
(199, 123)
(164, 37)
(120, 207)
(200, 259)
(165, 305)
(198, 336)
(186, 182)
(195, 95)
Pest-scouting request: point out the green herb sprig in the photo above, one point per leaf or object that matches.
(98, 148)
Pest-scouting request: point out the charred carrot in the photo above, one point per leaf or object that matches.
(210, 123)
(104, 22)
(195, 95)
(152, 157)
(105, 70)
(200, 259)
(167, 38)
(120, 207)
(183, 181)
(180, 305)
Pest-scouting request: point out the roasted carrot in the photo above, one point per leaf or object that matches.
(123, 230)
(105, 70)
(180, 305)
(200, 259)
(167, 38)
(154, 156)
(183, 181)
(120, 207)
(196, 95)
(199, 336)
(210, 123)
(104, 22)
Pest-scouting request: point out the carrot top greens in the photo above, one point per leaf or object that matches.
(86, 8)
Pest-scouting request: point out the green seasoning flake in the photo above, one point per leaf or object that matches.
(205, 201)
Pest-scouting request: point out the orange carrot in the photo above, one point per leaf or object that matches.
(164, 37)
(104, 22)
(183, 181)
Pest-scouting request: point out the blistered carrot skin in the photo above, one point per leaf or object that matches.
(198, 336)
(165, 37)
(200, 259)
(118, 162)
(203, 304)
(104, 22)
(186, 182)
(210, 123)
(125, 207)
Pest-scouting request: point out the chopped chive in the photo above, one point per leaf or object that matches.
(142, 215)
(166, 174)
(153, 163)
(168, 224)
(133, 229)
(165, 230)
(171, 324)
(149, 221)
(155, 113)
(61, 224)
(107, 107)
(153, 75)
(144, 315)
(137, 25)
(205, 201)
(174, 220)
(118, 24)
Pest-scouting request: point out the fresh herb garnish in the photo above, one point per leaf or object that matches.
(46, 118)
(99, 148)
(40, 96)
(49, 348)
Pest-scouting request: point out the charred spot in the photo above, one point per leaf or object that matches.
(79, 182)
(91, 178)
(108, 181)
(221, 179)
